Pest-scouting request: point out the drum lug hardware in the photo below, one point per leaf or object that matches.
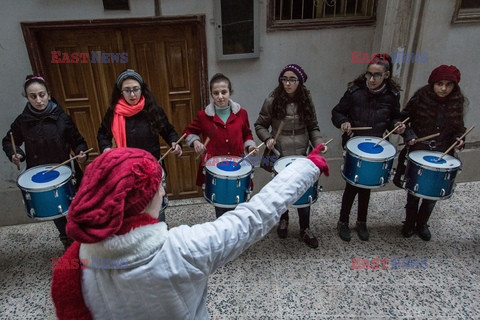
(382, 181)
(356, 178)
(203, 171)
(214, 181)
(237, 199)
(203, 186)
(415, 188)
(310, 199)
(27, 196)
(212, 197)
(359, 163)
(74, 181)
(420, 171)
(320, 189)
(60, 209)
(248, 194)
(447, 176)
(442, 193)
(239, 183)
(385, 165)
(55, 193)
(31, 214)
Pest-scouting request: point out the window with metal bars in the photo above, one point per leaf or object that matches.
(312, 14)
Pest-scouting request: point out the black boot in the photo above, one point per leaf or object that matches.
(66, 241)
(423, 216)
(408, 228)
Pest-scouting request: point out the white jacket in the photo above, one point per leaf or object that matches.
(155, 273)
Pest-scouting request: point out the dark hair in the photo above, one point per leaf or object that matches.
(305, 109)
(151, 107)
(219, 77)
(426, 107)
(30, 79)
(382, 59)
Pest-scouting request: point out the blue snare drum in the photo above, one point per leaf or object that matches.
(366, 165)
(428, 178)
(227, 183)
(310, 196)
(47, 195)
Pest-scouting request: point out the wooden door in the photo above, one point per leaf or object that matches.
(169, 56)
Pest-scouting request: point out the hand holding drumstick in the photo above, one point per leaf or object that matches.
(16, 158)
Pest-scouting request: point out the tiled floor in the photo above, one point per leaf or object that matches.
(284, 279)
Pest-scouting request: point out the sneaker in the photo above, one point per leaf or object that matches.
(362, 230)
(408, 229)
(343, 231)
(309, 238)
(282, 228)
(424, 233)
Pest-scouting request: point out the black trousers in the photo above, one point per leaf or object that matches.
(416, 212)
(303, 217)
(348, 197)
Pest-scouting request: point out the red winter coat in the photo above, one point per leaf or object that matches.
(226, 139)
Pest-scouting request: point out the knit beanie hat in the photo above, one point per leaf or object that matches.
(129, 73)
(444, 72)
(117, 184)
(295, 68)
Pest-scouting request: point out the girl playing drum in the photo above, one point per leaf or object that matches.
(371, 100)
(437, 107)
(290, 108)
(223, 125)
(48, 133)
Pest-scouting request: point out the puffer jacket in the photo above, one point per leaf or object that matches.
(48, 138)
(364, 109)
(139, 132)
(155, 273)
(296, 135)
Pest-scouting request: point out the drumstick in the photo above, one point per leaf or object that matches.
(168, 151)
(279, 130)
(424, 138)
(66, 161)
(14, 148)
(360, 128)
(455, 143)
(403, 122)
(261, 144)
(205, 145)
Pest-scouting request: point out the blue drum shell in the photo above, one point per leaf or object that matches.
(226, 190)
(369, 172)
(432, 183)
(45, 203)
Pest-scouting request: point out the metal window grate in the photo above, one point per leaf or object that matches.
(297, 10)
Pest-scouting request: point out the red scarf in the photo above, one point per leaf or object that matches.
(67, 281)
(122, 110)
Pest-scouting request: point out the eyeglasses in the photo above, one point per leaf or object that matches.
(376, 76)
(129, 91)
(290, 80)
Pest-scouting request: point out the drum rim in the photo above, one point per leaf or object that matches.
(290, 156)
(51, 186)
(372, 159)
(441, 169)
(229, 177)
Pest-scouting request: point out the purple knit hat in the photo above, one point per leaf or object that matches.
(295, 68)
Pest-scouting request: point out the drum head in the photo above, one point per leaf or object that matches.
(430, 159)
(37, 178)
(227, 166)
(284, 162)
(364, 147)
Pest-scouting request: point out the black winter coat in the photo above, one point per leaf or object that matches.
(139, 132)
(363, 109)
(48, 138)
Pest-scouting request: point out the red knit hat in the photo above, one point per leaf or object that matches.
(119, 183)
(444, 72)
